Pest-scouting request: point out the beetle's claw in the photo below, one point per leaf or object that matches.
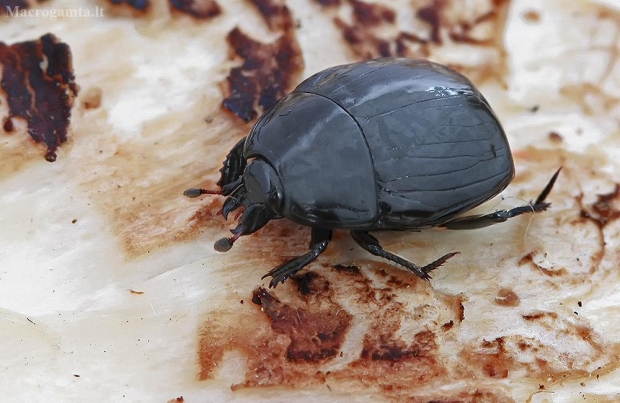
(229, 205)
(276, 278)
(433, 265)
(281, 273)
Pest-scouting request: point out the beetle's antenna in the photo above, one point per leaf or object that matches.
(195, 192)
(224, 244)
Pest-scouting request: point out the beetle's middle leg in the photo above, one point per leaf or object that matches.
(318, 243)
(484, 220)
(372, 245)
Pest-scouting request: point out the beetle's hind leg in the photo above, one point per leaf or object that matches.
(484, 220)
(372, 245)
(318, 243)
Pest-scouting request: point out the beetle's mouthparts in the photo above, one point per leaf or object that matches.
(195, 192)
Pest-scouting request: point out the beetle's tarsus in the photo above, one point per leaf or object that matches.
(545, 192)
(320, 240)
(432, 266)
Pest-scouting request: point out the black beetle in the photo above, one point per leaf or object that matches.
(386, 144)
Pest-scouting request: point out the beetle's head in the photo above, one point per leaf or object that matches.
(259, 192)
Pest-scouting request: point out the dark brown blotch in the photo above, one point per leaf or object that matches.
(372, 14)
(431, 14)
(40, 87)
(200, 9)
(268, 70)
(315, 334)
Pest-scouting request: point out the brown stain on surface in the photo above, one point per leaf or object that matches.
(132, 8)
(603, 211)
(316, 334)
(372, 31)
(201, 9)
(507, 297)
(306, 329)
(269, 70)
(39, 86)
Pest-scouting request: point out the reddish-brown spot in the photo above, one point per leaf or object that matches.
(601, 212)
(268, 71)
(8, 125)
(532, 16)
(372, 14)
(432, 14)
(363, 41)
(507, 297)
(494, 360)
(448, 326)
(604, 206)
(540, 315)
(202, 9)
(555, 137)
(276, 14)
(40, 87)
(523, 346)
(136, 292)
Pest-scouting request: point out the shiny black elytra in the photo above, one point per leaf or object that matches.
(387, 144)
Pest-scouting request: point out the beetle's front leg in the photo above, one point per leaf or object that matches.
(484, 220)
(234, 164)
(318, 243)
(231, 172)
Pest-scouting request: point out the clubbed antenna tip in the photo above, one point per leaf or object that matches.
(195, 192)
